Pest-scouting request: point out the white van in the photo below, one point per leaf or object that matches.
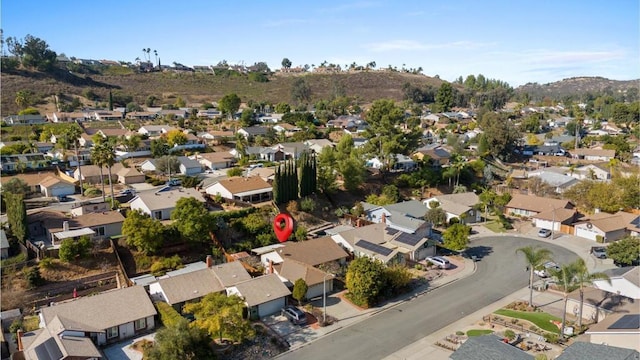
(439, 261)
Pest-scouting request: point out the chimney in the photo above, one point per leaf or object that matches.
(209, 261)
(384, 218)
(65, 226)
(270, 266)
(19, 336)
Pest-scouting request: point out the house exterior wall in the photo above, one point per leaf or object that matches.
(148, 166)
(219, 189)
(317, 289)
(626, 340)
(58, 190)
(343, 243)
(546, 224)
(521, 212)
(109, 230)
(137, 179)
(190, 171)
(589, 312)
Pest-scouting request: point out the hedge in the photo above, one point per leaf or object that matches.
(168, 315)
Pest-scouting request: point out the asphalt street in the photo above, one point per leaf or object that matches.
(499, 273)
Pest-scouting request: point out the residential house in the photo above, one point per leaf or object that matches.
(33, 179)
(248, 189)
(344, 122)
(44, 146)
(530, 205)
(623, 281)
(318, 281)
(155, 130)
(598, 304)
(598, 171)
(54, 186)
(264, 295)
(271, 154)
(170, 113)
(209, 113)
(580, 350)
(215, 160)
(605, 226)
(287, 129)
(160, 204)
(130, 176)
(292, 150)
(189, 166)
(91, 173)
(24, 119)
(593, 154)
(191, 143)
(619, 330)
(4, 245)
(316, 145)
(559, 182)
(459, 206)
(148, 165)
(141, 115)
(77, 116)
(488, 347)
(96, 225)
(267, 174)
(104, 318)
(554, 220)
(215, 136)
(435, 155)
(89, 207)
(105, 115)
(320, 252)
(406, 216)
(270, 118)
(179, 287)
(21, 162)
(252, 131)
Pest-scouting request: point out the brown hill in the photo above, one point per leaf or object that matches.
(199, 87)
(576, 87)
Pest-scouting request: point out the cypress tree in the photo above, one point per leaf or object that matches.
(110, 101)
(276, 186)
(314, 175)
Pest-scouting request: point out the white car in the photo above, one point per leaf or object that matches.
(439, 261)
(546, 269)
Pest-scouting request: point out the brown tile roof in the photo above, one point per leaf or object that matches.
(610, 222)
(91, 220)
(129, 172)
(94, 170)
(230, 273)
(536, 203)
(593, 152)
(31, 179)
(216, 157)
(313, 252)
(559, 215)
(241, 184)
(104, 310)
(293, 270)
(262, 289)
(53, 180)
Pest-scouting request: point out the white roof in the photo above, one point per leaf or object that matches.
(74, 233)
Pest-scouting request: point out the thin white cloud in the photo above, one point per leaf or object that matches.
(413, 45)
(358, 5)
(565, 57)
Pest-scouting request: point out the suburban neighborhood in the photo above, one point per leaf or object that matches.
(147, 227)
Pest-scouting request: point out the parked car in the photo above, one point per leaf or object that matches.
(294, 315)
(174, 182)
(546, 269)
(599, 251)
(65, 198)
(439, 261)
(253, 166)
(128, 192)
(543, 233)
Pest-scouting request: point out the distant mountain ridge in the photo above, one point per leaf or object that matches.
(577, 86)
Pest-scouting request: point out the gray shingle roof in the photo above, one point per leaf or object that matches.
(102, 311)
(587, 351)
(488, 347)
(190, 286)
(262, 289)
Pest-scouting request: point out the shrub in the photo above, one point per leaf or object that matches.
(292, 206)
(459, 333)
(92, 192)
(419, 267)
(301, 233)
(551, 338)
(160, 267)
(599, 239)
(509, 334)
(15, 325)
(33, 277)
(71, 249)
(46, 263)
(168, 315)
(236, 171)
(307, 204)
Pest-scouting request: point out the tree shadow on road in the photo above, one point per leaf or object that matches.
(479, 251)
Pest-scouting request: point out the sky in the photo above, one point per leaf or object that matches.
(514, 41)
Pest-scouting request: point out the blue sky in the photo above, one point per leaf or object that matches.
(515, 41)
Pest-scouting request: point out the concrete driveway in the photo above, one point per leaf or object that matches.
(123, 350)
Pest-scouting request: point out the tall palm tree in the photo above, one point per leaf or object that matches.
(96, 159)
(72, 135)
(566, 278)
(535, 257)
(109, 159)
(584, 277)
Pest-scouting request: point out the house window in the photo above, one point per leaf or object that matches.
(112, 332)
(140, 324)
(99, 230)
(157, 215)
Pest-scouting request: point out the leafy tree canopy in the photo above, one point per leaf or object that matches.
(625, 251)
(221, 316)
(142, 231)
(456, 237)
(192, 220)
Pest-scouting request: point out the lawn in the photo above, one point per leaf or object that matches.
(495, 226)
(540, 319)
(478, 332)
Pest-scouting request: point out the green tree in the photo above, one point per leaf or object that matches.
(159, 147)
(397, 279)
(386, 137)
(142, 231)
(624, 252)
(300, 91)
(16, 186)
(283, 108)
(584, 277)
(105, 156)
(327, 173)
(191, 218)
(456, 237)
(535, 257)
(168, 164)
(365, 280)
(71, 249)
(221, 315)
(229, 104)
(286, 63)
(176, 137)
(33, 53)
(444, 97)
(24, 99)
(566, 281)
(300, 290)
(180, 103)
(17, 215)
(436, 216)
(301, 233)
(151, 100)
(96, 159)
(353, 172)
(180, 341)
(234, 171)
(500, 134)
(247, 118)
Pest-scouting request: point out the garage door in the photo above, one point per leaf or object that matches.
(586, 233)
(271, 307)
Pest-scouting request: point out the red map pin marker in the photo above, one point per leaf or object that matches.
(283, 226)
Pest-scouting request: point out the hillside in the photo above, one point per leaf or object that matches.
(199, 87)
(576, 87)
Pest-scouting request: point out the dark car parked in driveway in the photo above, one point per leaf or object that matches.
(294, 315)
